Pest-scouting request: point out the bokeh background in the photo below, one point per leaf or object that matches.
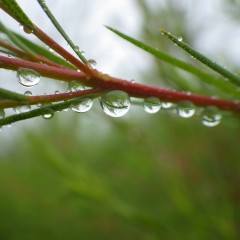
(142, 176)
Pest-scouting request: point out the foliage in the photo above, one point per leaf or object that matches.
(140, 177)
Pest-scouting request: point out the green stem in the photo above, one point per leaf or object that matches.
(217, 82)
(61, 31)
(50, 109)
(208, 62)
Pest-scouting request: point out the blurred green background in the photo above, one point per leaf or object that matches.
(89, 176)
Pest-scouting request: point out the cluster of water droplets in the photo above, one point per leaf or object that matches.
(116, 103)
(210, 116)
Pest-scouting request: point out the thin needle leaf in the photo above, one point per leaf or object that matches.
(15, 10)
(61, 31)
(217, 82)
(6, 94)
(208, 62)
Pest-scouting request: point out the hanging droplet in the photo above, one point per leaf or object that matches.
(186, 109)
(152, 105)
(27, 29)
(74, 86)
(22, 109)
(115, 103)
(211, 117)
(92, 63)
(167, 105)
(48, 115)
(28, 77)
(83, 105)
(2, 113)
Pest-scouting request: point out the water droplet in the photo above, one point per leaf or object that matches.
(92, 63)
(152, 105)
(211, 117)
(22, 109)
(74, 86)
(2, 113)
(76, 48)
(27, 29)
(115, 103)
(186, 109)
(57, 92)
(167, 105)
(180, 39)
(48, 115)
(28, 77)
(82, 105)
(28, 93)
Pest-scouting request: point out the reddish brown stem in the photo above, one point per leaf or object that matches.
(60, 50)
(32, 100)
(27, 56)
(107, 82)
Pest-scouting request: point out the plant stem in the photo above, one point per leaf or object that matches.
(32, 100)
(208, 62)
(61, 30)
(107, 82)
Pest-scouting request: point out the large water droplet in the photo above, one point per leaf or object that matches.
(74, 86)
(28, 77)
(211, 117)
(115, 103)
(186, 109)
(82, 105)
(152, 105)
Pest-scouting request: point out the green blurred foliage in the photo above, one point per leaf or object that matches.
(89, 176)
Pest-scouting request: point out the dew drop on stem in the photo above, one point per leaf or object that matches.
(83, 105)
(167, 105)
(22, 109)
(186, 109)
(28, 77)
(75, 86)
(48, 115)
(152, 105)
(180, 39)
(115, 103)
(211, 117)
(28, 93)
